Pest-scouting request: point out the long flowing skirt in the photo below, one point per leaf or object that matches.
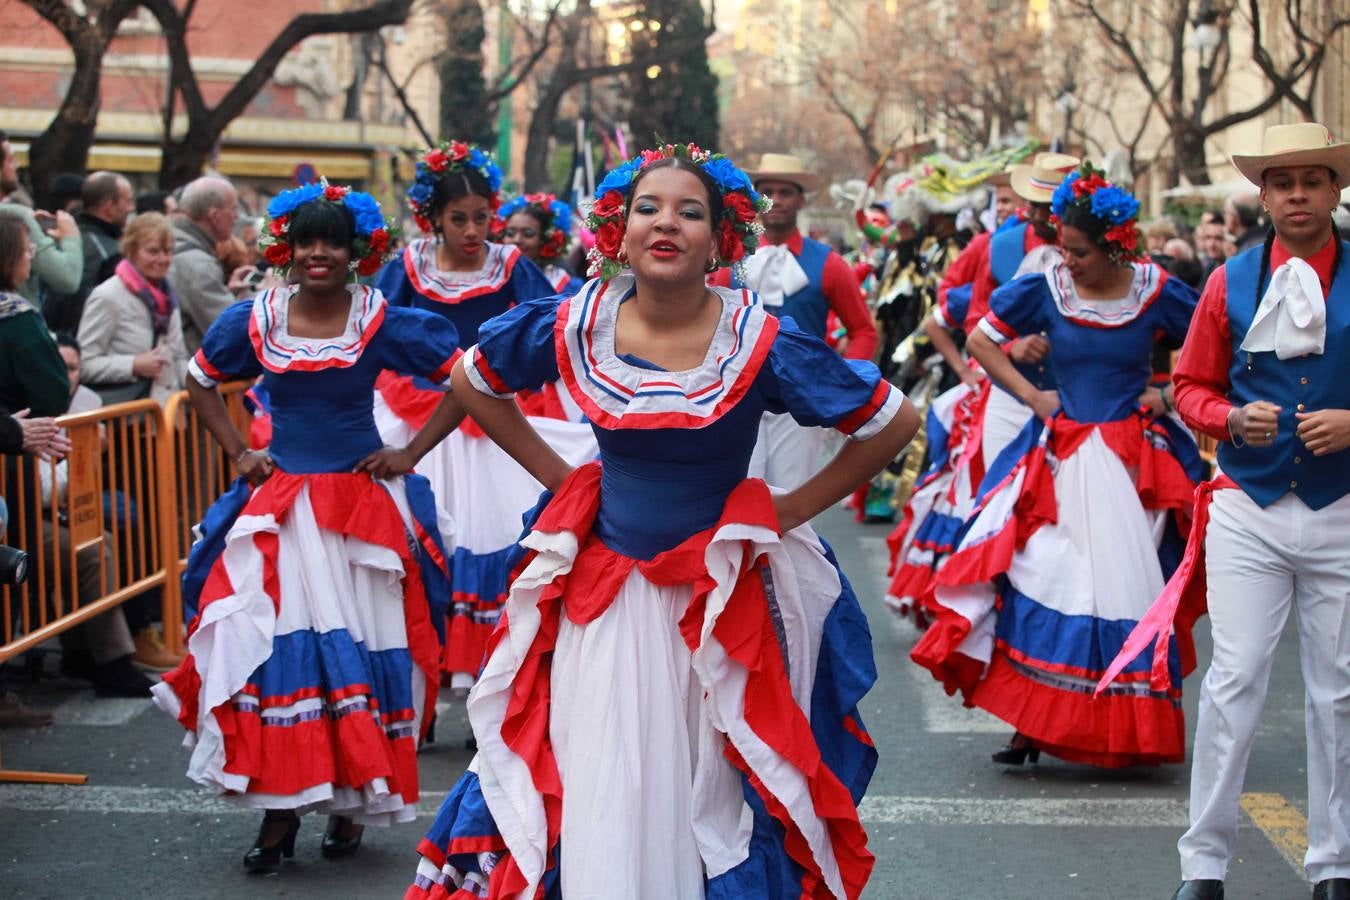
(675, 728)
(312, 665)
(486, 495)
(941, 502)
(1062, 558)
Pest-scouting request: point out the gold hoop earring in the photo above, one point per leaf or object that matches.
(713, 263)
(622, 255)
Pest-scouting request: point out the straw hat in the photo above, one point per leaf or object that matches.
(784, 167)
(1304, 144)
(1037, 182)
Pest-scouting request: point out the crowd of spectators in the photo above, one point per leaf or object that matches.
(104, 296)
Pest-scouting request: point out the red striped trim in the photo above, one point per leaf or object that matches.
(209, 370)
(863, 414)
(427, 288)
(443, 371)
(494, 381)
(1000, 326)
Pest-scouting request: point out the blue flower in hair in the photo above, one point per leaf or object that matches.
(366, 211)
(1114, 205)
(727, 175)
(619, 178)
(561, 213)
(511, 207)
(1064, 195)
(286, 202)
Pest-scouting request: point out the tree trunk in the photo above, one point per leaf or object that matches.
(541, 130)
(182, 161)
(1189, 142)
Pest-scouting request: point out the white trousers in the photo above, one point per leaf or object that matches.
(1260, 562)
(786, 454)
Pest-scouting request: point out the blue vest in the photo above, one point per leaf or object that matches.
(1006, 252)
(809, 307)
(1306, 383)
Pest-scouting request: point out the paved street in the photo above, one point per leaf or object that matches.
(943, 821)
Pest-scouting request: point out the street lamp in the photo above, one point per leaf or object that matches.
(1206, 37)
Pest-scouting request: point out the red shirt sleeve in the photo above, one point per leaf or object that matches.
(836, 281)
(965, 267)
(1201, 375)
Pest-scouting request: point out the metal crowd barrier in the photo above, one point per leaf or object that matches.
(138, 477)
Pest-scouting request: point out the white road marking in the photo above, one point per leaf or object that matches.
(86, 709)
(941, 714)
(884, 810)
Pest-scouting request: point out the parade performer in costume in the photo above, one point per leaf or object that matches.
(971, 424)
(541, 226)
(458, 274)
(1264, 372)
(312, 662)
(802, 279)
(1079, 525)
(669, 707)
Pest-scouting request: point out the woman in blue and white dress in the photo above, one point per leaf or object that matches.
(541, 226)
(1080, 520)
(669, 706)
(461, 276)
(313, 656)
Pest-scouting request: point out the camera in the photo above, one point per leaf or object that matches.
(13, 566)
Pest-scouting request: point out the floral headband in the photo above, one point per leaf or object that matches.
(370, 244)
(557, 214)
(737, 233)
(449, 158)
(1087, 189)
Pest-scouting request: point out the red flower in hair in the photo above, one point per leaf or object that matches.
(611, 204)
(334, 192)
(1088, 185)
(277, 254)
(740, 206)
(436, 160)
(379, 241)
(554, 244)
(458, 151)
(278, 226)
(423, 223)
(609, 238)
(1126, 235)
(650, 156)
(729, 245)
(369, 266)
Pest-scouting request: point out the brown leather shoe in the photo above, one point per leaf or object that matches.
(14, 713)
(152, 654)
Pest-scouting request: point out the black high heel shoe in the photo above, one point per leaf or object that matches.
(266, 857)
(1014, 755)
(335, 846)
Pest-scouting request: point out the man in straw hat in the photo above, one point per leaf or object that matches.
(804, 279)
(1266, 370)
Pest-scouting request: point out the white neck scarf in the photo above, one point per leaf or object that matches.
(774, 273)
(1292, 317)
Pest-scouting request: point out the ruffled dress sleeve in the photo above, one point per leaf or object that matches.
(418, 343)
(528, 282)
(817, 387)
(516, 350)
(227, 352)
(952, 311)
(1175, 307)
(1019, 307)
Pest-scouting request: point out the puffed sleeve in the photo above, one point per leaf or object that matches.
(227, 352)
(1017, 308)
(818, 387)
(1175, 306)
(418, 343)
(515, 351)
(529, 283)
(392, 282)
(952, 311)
